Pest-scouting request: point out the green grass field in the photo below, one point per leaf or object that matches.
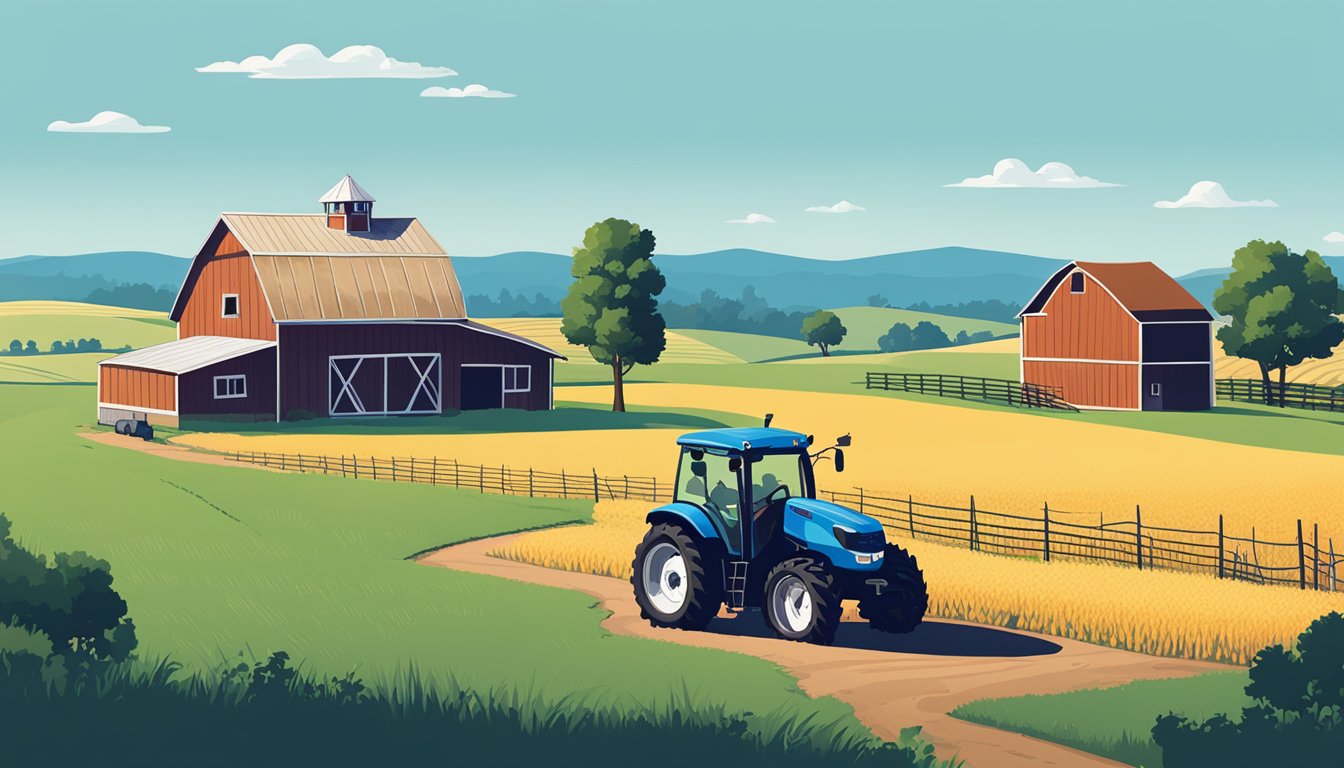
(866, 324)
(216, 560)
(61, 321)
(751, 347)
(51, 369)
(1112, 722)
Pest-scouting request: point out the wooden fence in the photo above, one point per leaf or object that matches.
(970, 388)
(1303, 561)
(1317, 398)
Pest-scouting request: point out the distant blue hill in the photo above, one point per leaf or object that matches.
(156, 269)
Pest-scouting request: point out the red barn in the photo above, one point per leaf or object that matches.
(328, 314)
(1119, 336)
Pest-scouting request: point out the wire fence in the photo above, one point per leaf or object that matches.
(987, 390)
(1303, 561)
(1291, 394)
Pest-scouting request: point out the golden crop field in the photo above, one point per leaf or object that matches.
(1155, 612)
(79, 308)
(1012, 462)
(546, 330)
(1328, 372)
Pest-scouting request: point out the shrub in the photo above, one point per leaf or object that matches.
(897, 339)
(1296, 717)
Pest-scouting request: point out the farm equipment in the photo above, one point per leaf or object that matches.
(746, 530)
(134, 428)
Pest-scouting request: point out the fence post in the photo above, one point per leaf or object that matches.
(456, 479)
(1332, 564)
(564, 485)
(354, 459)
(627, 487)
(860, 500)
(911, 502)
(373, 464)
(1138, 535)
(529, 482)
(501, 481)
(1047, 531)
(1316, 556)
(481, 479)
(655, 489)
(595, 496)
(975, 533)
(434, 468)
(1220, 546)
(1301, 559)
(394, 469)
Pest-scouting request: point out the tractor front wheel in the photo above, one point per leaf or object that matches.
(900, 605)
(801, 602)
(674, 583)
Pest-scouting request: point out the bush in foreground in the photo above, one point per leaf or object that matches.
(1297, 717)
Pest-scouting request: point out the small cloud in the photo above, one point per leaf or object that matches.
(1210, 194)
(1012, 173)
(475, 90)
(107, 122)
(1334, 237)
(844, 206)
(753, 218)
(302, 61)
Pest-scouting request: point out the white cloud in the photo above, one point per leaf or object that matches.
(844, 206)
(106, 122)
(302, 61)
(474, 90)
(1012, 173)
(753, 218)
(1334, 237)
(1210, 194)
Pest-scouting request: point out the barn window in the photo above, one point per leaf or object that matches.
(228, 387)
(517, 378)
(1156, 390)
(230, 307)
(1076, 282)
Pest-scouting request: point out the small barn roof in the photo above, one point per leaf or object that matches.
(293, 233)
(1141, 287)
(186, 355)
(347, 190)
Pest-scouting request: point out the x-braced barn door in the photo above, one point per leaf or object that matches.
(384, 385)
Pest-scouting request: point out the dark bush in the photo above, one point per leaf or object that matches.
(898, 338)
(1297, 717)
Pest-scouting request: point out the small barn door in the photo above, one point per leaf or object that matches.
(384, 385)
(482, 387)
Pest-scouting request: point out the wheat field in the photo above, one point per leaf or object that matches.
(1155, 612)
(1327, 373)
(546, 330)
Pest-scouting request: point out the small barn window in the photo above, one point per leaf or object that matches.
(228, 387)
(517, 378)
(230, 305)
(361, 207)
(1156, 389)
(1076, 282)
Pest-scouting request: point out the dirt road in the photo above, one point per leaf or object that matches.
(892, 682)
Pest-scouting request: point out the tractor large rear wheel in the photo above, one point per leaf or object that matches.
(677, 584)
(901, 605)
(801, 602)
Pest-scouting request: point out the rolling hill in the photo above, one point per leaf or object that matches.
(866, 324)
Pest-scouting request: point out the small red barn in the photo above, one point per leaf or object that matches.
(1119, 336)
(329, 314)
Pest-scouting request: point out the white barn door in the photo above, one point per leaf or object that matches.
(384, 385)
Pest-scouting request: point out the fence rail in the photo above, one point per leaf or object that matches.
(1304, 561)
(1295, 395)
(970, 388)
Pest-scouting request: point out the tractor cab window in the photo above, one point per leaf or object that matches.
(775, 478)
(710, 482)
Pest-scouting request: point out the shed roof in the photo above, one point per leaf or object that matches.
(186, 355)
(1141, 287)
(347, 190)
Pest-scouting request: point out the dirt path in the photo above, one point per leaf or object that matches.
(167, 450)
(892, 682)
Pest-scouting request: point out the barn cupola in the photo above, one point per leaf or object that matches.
(347, 206)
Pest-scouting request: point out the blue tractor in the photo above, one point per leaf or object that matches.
(746, 529)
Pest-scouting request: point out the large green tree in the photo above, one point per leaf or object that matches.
(1282, 306)
(824, 330)
(611, 307)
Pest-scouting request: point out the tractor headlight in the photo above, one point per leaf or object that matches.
(869, 545)
(844, 536)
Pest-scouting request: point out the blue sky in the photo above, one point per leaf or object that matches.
(685, 115)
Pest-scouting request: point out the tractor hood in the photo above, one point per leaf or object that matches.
(797, 511)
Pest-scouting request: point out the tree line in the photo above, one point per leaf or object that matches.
(978, 309)
(58, 347)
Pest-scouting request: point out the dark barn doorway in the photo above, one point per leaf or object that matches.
(1176, 387)
(482, 387)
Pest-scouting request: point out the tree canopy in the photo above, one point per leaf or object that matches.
(898, 338)
(611, 307)
(1282, 305)
(824, 330)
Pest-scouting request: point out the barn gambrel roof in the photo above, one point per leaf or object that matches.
(1141, 287)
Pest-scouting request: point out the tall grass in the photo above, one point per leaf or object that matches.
(143, 713)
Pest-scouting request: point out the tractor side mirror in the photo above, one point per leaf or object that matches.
(734, 464)
(699, 469)
(839, 460)
(842, 441)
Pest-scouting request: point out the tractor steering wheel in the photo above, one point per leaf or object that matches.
(768, 499)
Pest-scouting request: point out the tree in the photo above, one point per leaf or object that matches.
(611, 307)
(1282, 306)
(30, 347)
(926, 335)
(57, 347)
(823, 329)
(15, 347)
(897, 339)
(877, 300)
